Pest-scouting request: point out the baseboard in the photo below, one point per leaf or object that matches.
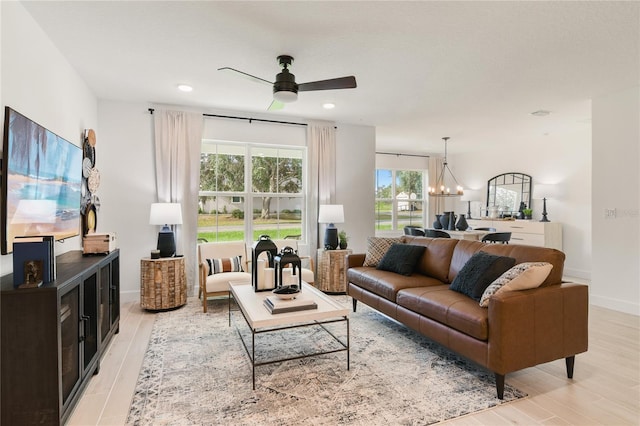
(129, 296)
(615, 304)
(578, 273)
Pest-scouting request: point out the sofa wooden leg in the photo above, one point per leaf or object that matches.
(570, 361)
(355, 303)
(500, 385)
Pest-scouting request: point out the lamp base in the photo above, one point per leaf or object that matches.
(331, 237)
(544, 211)
(166, 242)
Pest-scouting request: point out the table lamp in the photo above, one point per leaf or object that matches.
(542, 192)
(331, 214)
(469, 196)
(166, 214)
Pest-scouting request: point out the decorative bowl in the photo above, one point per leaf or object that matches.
(287, 292)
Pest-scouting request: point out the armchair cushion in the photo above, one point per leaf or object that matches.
(225, 264)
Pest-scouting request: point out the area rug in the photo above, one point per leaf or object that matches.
(196, 371)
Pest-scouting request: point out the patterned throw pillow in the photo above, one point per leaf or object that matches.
(376, 249)
(523, 276)
(225, 264)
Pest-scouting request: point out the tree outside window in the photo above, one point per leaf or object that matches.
(399, 199)
(274, 203)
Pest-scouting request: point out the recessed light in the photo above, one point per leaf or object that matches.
(185, 88)
(328, 105)
(541, 113)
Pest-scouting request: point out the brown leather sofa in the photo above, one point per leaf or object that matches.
(519, 329)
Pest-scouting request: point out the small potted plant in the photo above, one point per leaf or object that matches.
(343, 239)
(527, 213)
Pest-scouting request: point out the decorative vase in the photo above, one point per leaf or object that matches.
(343, 245)
(436, 223)
(462, 224)
(452, 221)
(444, 220)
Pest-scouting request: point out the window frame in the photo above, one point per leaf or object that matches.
(248, 195)
(394, 200)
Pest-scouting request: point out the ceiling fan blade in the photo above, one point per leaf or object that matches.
(251, 77)
(276, 105)
(334, 83)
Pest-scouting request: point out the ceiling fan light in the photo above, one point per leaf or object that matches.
(285, 96)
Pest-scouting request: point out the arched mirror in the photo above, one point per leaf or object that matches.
(505, 192)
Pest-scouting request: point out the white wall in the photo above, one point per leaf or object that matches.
(37, 81)
(616, 185)
(355, 182)
(559, 158)
(128, 179)
(125, 158)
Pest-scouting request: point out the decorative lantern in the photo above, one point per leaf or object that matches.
(286, 257)
(261, 280)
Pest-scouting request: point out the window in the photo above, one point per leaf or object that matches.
(399, 199)
(248, 190)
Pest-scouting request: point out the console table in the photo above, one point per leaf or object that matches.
(332, 271)
(525, 232)
(163, 283)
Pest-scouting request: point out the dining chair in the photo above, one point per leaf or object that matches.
(497, 237)
(436, 233)
(413, 230)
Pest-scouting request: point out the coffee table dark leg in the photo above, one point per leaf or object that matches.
(253, 357)
(348, 345)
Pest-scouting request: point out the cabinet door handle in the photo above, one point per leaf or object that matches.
(516, 227)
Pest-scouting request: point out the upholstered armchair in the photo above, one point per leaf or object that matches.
(220, 263)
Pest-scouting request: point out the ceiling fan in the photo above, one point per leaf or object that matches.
(285, 88)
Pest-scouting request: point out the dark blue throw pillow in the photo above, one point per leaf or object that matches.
(401, 259)
(479, 272)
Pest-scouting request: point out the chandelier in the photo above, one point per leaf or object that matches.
(441, 189)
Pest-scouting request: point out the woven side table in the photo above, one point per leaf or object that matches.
(332, 271)
(163, 283)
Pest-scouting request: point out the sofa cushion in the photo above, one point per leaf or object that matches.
(436, 259)
(225, 264)
(401, 258)
(448, 307)
(387, 284)
(479, 272)
(521, 277)
(376, 249)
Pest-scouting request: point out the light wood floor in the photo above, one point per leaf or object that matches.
(605, 389)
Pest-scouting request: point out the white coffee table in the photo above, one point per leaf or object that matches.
(260, 320)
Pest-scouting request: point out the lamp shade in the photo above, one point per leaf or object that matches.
(471, 195)
(541, 191)
(165, 214)
(331, 213)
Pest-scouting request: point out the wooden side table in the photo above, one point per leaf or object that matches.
(332, 277)
(163, 283)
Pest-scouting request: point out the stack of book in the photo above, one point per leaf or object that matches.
(275, 305)
(34, 261)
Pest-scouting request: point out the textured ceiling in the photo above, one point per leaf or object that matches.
(469, 70)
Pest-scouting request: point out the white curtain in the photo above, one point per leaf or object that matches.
(178, 138)
(321, 139)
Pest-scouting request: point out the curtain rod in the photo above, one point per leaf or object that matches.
(249, 119)
(397, 154)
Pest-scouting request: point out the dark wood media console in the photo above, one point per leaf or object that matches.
(52, 337)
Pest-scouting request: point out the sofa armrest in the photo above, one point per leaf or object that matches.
(531, 327)
(353, 260)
